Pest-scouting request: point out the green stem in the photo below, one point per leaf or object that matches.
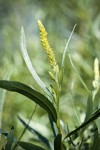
(58, 99)
(58, 113)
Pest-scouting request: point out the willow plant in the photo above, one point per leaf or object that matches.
(50, 102)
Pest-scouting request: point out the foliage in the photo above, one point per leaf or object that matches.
(85, 133)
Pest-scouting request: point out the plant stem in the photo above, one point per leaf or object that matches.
(58, 99)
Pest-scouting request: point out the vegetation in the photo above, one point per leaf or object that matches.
(86, 134)
(77, 81)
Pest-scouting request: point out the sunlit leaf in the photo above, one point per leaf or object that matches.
(35, 96)
(64, 55)
(29, 64)
(66, 47)
(29, 146)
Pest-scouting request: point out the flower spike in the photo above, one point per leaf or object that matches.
(47, 48)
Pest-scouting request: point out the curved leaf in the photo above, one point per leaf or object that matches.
(52, 127)
(29, 64)
(35, 96)
(57, 142)
(29, 146)
(90, 120)
(66, 47)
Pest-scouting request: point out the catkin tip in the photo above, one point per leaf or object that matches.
(47, 48)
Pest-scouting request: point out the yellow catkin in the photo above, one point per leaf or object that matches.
(96, 68)
(47, 48)
(96, 73)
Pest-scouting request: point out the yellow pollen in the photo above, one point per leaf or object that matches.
(47, 48)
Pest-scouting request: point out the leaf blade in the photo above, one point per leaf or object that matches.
(66, 46)
(29, 146)
(94, 117)
(35, 96)
(57, 142)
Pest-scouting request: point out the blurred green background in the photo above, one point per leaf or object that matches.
(58, 17)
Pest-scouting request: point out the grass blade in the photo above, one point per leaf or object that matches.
(66, 47)
(39, 135)
(28, 123)
(28, 146)
(23, 132)
(35, 96)
(95, 116)
(52, 127)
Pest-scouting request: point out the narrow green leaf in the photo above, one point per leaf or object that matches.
(80, 78)
(61, 75)
(58, 142)
(29, 146)
(52, 127)
(63, 57)
(96, 141)
(35, 96)
(39, 135)
(10, 139)
(66, 47)
(24, 130)
(27, 123)
(29, 64)
(94, 116)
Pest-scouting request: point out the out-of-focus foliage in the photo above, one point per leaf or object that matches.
(59, 17)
